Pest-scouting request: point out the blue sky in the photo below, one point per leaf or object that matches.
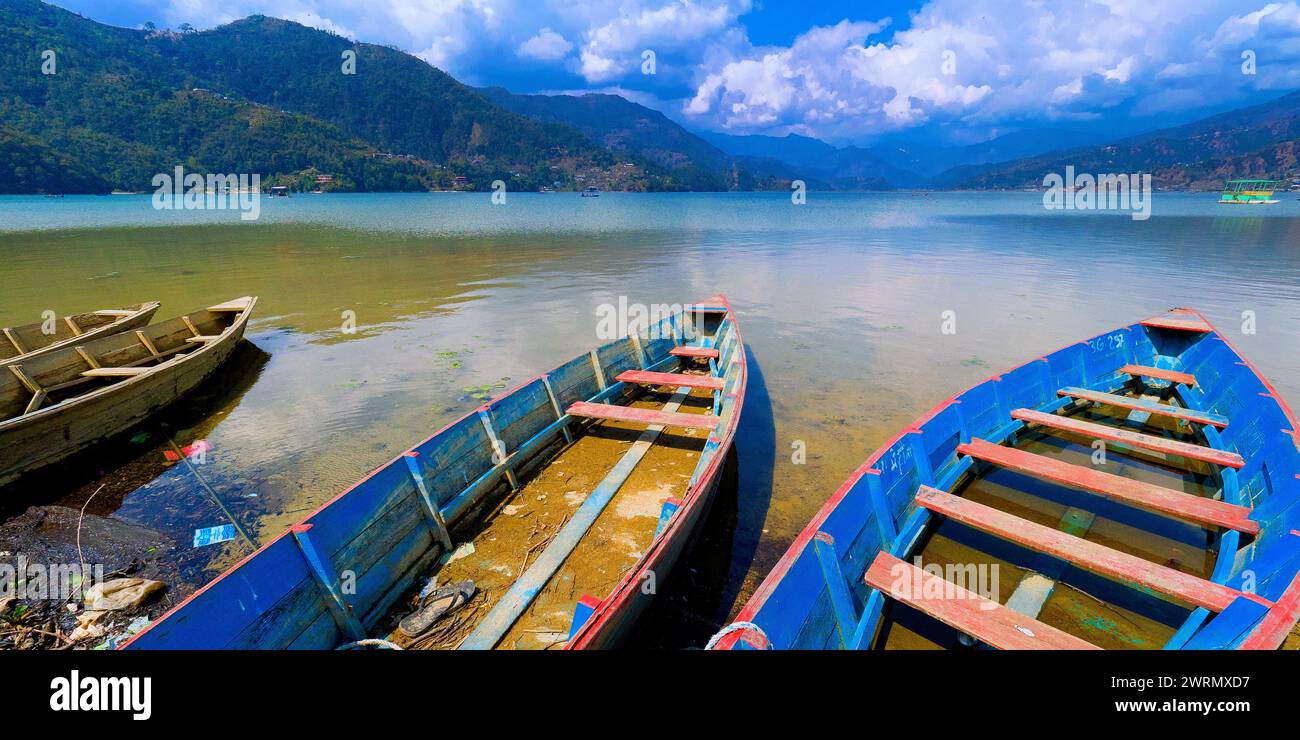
(847, 72)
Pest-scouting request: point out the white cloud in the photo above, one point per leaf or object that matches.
(546, 45)
(1013, 61)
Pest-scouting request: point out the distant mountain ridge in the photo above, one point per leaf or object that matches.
(1260, 141)
(270, 96)
(622, 126)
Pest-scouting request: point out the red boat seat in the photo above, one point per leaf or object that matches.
(1198, 509)
(1173, 376)
(680, 380)
(689, 351)
(1087, 555)
(1150, 407)
(1135, 439)
(642, 416)
(967, 611)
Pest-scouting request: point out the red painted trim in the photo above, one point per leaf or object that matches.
(232, 569)
(627, 587)
(1272, 630)
(589, 600)
(778, 572)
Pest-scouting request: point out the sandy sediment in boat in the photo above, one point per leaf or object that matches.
(524, 523)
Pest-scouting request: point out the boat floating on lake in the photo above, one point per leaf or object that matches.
(563, 503)
(1138, 489)
(1249, 192)
(21, 343)
(59, 402)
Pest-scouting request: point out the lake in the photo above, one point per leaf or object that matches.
(841, 302)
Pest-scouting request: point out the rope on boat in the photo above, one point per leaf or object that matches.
(738, 627)
(368, 643)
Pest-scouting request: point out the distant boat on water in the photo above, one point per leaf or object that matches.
(591, 193)
(1248, 191)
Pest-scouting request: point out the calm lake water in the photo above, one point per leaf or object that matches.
(840, 302)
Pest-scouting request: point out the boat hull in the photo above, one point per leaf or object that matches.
(37, 440)
(885, 507)
(383, 534)
(140, 316)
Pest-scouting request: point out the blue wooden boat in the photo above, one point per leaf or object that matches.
(573, 494)
(1137, 489)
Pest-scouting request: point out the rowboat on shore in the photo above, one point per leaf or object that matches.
(1137, 489)
(556, 510)
(22, 343)
(60, 402)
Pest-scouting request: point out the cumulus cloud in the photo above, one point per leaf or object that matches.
(959, 63)
(546, 45)
(983, 61)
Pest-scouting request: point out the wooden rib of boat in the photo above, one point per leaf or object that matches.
(560, 499)
(1137, 489)
(65, 400)
(22, 343)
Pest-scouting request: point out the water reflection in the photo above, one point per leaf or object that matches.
(841, 299)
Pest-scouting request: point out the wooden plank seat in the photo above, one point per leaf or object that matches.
(678, 380)
(1198, 509)
(115, 312)
(1135, 439)
(986, 620)
(1179, 320)
(642, 416)
(1159, 373)
(203, 338)
(1090, 556)
(115, 372)
(691, 351)
(1150, 407)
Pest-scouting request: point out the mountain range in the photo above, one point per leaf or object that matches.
(290, 102)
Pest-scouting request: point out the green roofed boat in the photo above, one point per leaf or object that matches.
(1249, 191)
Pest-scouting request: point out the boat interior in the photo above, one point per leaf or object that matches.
(69, 372)
(19, 340)
(545, 495)
(1134, 491)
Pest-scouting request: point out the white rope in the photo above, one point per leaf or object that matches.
(370, 643)
(738, 627)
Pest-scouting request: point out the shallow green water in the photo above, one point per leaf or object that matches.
(841, 303)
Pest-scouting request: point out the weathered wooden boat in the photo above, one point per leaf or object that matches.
(1137, 489)
(22, 343)
(59, 402)
(568, 485)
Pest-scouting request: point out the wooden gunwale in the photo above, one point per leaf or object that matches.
(914, 524)
(125, 321)
(463, 501)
